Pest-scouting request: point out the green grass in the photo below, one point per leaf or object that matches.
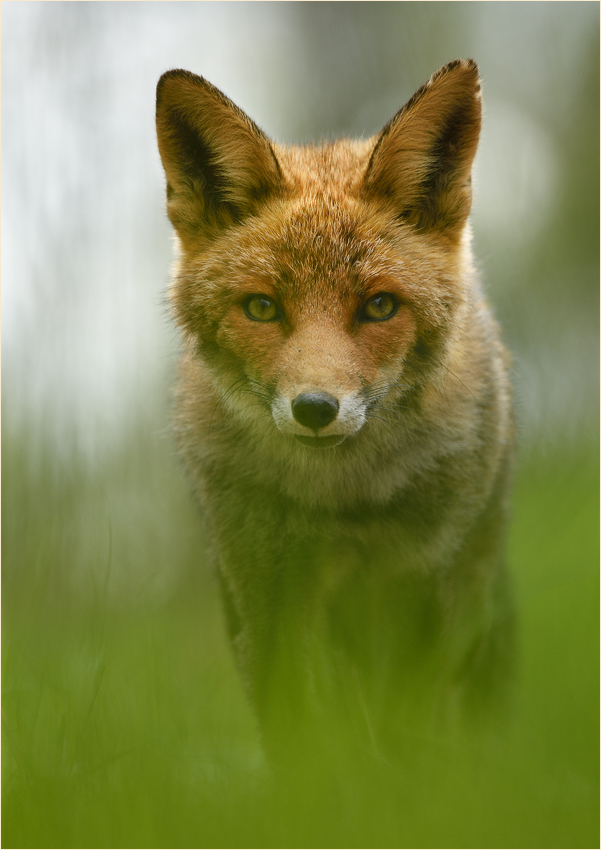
(125, 724)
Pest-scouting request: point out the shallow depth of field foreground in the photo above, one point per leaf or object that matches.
(130, 728)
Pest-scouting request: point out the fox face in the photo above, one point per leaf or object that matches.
(318, 284)
(322, 348)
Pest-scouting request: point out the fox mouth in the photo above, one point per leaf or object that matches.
(321, 442)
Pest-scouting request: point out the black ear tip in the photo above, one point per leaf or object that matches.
(462, 74)
(456, 66)
(176, 74)
(164, 80)
(471, 66)
(460, 63)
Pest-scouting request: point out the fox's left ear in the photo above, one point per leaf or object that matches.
(422, 159)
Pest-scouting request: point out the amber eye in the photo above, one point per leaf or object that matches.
(379, 307)
(261, 308)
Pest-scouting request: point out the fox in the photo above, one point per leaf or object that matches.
(344, 412)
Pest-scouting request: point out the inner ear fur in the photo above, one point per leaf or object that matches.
(219, 165)
(422, 159)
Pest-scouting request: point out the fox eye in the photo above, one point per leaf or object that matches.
(379, 307)
(261, 308)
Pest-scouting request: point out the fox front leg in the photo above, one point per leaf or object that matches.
(271, 612)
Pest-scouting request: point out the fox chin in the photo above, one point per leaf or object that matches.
(344, 412)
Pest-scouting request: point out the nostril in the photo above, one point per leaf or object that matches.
(315, 410)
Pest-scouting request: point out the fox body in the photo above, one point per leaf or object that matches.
(343, 408)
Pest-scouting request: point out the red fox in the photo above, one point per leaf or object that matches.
(343, 410)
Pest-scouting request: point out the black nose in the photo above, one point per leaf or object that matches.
(314, 410)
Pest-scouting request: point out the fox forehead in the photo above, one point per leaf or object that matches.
(335, 168)
(322, 242)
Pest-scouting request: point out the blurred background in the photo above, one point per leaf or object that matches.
(124, 721)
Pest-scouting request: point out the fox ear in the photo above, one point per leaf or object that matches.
(422, 159)
(219, 165)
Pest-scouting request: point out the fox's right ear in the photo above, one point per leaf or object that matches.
(220, 167)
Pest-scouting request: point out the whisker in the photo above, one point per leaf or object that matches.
(384, 387)
(257, 395)
(387, 423)
(444, 365)
(386, 408)
(380, 418)
(226, 395)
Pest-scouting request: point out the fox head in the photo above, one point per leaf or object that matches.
(320, 285)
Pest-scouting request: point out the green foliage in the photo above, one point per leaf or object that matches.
(125, 723)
